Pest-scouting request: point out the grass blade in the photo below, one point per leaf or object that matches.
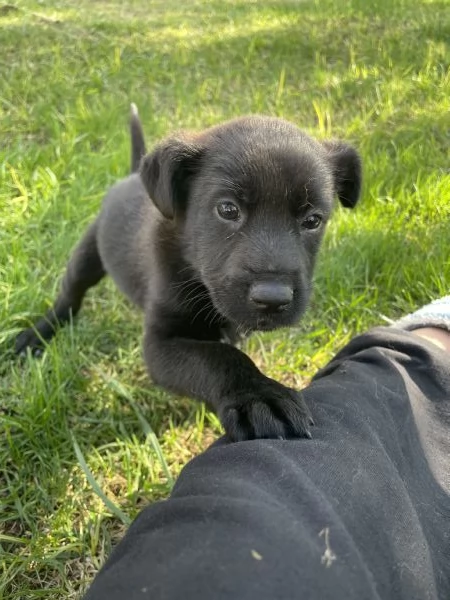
(149, 433)
(114, 509)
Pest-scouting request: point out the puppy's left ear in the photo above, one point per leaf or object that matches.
(167, 172)
(347, 171)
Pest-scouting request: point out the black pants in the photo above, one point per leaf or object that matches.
(361, 511)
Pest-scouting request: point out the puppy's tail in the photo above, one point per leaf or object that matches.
(137, 139)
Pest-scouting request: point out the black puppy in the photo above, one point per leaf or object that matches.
(216, 237)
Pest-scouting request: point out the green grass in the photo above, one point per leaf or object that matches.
(85, 440)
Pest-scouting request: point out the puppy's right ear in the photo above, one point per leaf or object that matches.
(347, 171)
(167, 171)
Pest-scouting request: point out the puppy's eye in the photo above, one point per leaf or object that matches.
(228, 211)
(312, 222)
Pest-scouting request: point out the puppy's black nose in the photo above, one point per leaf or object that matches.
(271, 295)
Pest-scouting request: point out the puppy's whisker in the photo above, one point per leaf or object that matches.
(193, 298)
(203, 309)
(184, 269)
(189, 290)
(191, 302)
(186, 282)
(211, 316)
(241, 330)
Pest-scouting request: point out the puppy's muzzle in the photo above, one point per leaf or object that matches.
(271, 296)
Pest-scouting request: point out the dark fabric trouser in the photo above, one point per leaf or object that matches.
(358, 512)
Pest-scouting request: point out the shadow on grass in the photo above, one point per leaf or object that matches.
(380, 270)
(338, 55)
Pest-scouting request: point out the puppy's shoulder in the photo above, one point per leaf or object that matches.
(128, 189)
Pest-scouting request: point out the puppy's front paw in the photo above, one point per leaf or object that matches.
(28, 339)
(266, 410)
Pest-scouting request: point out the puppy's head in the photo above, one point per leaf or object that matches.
(251, 199)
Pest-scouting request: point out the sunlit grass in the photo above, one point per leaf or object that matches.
(84, 423)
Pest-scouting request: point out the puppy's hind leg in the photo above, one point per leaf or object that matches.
(84, 270)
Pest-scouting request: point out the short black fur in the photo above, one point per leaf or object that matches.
(217, 236)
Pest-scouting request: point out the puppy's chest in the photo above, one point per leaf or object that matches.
(229, 334)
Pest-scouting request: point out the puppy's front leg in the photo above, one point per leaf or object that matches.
(249, 404)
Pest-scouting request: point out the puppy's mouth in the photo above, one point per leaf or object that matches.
(233, 303)
(269, 322)
(272, 320)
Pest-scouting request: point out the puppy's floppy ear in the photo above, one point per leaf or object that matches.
(347, 171)
(167, 171)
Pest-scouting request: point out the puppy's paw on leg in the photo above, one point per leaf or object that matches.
(267, 410)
